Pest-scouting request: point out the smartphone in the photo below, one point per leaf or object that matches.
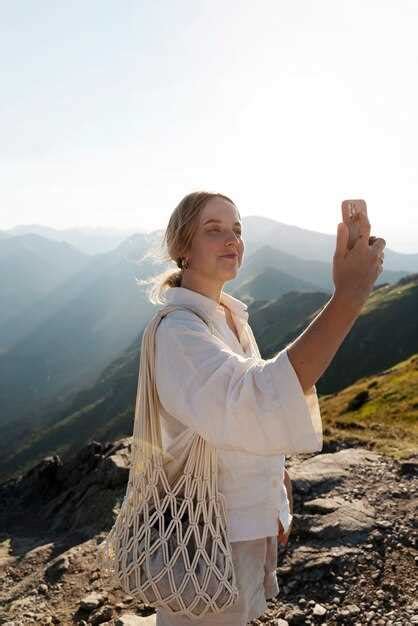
(353, 212)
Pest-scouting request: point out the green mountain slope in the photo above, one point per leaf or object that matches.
(385, 333)
(379, 412)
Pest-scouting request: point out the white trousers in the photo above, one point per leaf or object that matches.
(255, 563)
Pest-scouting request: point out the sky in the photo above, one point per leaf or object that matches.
(111, 112)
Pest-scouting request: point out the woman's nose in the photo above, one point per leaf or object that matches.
(233, 237)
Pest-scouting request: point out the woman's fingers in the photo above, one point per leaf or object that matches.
(355, 216)
(381, 245)
(364, 226)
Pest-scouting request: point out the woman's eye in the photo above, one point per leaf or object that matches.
(213, 230)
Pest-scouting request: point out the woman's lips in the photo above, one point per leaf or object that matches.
(229, 256)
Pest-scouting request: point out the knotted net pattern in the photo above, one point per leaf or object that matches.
(169, 546)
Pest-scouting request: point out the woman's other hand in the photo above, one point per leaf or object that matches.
(283, 537)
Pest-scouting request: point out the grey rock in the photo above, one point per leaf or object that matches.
(409, 467)
(319, 610)
(307, 557)
(384, 524)
(102, 615)
(356, 516)
(114, 470)
(130, 619)
(57, 567)
(323, 505)
(92, 601)
(376, 536)
(328, 468)
(351, 610)
(295, 616)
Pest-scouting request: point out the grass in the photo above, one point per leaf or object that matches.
(379, 412)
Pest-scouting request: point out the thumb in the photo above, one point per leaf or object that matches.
(342, 239)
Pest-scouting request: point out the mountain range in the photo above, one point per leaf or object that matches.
(71, 324)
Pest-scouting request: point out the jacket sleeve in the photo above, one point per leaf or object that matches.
(235, 402)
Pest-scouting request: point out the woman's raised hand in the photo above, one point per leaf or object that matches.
(355, 271)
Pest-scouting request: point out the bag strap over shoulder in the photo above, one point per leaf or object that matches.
(168, 308)
(147, 439)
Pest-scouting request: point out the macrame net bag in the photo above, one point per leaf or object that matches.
(169, 546)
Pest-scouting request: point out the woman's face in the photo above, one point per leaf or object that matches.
(219, 233)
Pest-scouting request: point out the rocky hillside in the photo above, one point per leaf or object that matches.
(351, 556)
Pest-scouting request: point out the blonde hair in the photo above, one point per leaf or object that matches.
(181, 228)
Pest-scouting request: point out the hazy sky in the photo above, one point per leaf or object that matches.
(112, 111)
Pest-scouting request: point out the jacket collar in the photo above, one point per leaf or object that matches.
(183, 295)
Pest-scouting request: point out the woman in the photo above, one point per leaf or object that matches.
(253, 410)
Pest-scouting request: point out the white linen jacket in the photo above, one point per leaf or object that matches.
(252, 409)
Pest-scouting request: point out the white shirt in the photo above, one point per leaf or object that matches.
(252, 409)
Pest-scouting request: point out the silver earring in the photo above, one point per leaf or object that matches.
(185, 264)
